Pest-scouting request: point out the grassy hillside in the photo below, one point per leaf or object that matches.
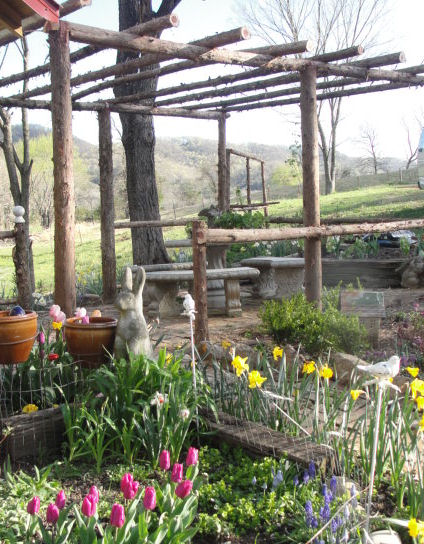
(388, 201)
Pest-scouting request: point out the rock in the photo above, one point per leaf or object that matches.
(344, 486)
(345, 364)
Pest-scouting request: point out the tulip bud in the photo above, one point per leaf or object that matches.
(117, 515)
(33, 507)
(192, 456)
(41, 338)
(165, 460)
(94, 492)
(177, 473)
(60, 500)
(125, 479)
(130, 490)
(149, 500)
(183, 489)
(52, 514)
(88, 507)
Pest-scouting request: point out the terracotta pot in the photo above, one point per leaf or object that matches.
(90, 344)
(385, 537)
(17, 335)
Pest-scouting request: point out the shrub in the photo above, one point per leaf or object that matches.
(297, 320)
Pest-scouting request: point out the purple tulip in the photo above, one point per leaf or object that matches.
(94, 492)
(183, 489)
(33, 507)
(117, 515)
(41, 338)
(60, 500)
(149, 500)
(192, 456)
(130, 490)
(177, 473)
(88, 507)
(165, 460)
(125, 479)
(52, 514)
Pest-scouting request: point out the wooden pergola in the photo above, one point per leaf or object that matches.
(268, 76)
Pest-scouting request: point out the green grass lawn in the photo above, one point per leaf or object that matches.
(391, 201)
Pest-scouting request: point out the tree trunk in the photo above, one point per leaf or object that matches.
(138, 139)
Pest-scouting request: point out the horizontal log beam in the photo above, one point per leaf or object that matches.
(34, 22)
(224, 236)
(5, 234)
(329, 220)
(182, 222)
(216, 40)
(245, 155)
(253, 205)
(282, 49)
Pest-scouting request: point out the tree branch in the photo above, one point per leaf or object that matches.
(166, 7)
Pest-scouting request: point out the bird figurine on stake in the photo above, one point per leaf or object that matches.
(382, 372)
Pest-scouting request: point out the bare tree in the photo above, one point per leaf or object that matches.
(370, 145)
(332, 24)
(412, 133)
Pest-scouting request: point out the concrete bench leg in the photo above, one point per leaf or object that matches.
(163, 300)
(232, 297)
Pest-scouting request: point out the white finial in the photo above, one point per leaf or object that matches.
(19, 212)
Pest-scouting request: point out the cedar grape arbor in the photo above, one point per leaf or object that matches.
(268, 76)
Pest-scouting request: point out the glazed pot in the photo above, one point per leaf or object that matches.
(90, 344)
(17, 335)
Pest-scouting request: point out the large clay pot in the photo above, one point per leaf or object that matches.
(17, 335)
(89, 344)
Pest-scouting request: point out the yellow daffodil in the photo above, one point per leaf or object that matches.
(355, 393)
(277, 353)
(420, 403)
(413, 370)
(416, 528)
(421, 424)
(255, 379)
(57, 325)
(225, 344)
(28, 408)
(417, 386)
(168, 358)
(308, 367)
(326, 372)
(240, 365)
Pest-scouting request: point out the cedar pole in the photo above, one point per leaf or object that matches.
(249, 200)
(223, 193)
(228, 177)
(310, 168)
(107, 207)
(20, 260)
(64, 198)
(201, 333)
(264, 199)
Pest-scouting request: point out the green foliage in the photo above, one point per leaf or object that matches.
(299, 321)
(244, 220)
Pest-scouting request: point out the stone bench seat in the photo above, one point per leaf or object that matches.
(279, 276)
(163, 286)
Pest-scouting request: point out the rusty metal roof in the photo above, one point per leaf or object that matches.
(13, 11)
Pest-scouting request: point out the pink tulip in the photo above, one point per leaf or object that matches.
(130, 490)
(60, 500)
(52, 514)
(94, 492)
(165, 460)
(54, 311)
(183, 489)
(33, 507)
(60, 317)
(117, 515)
(149, 500)
(88, 507)
(127, 477)
(80, 312)
(192, 456)
(41, 337)
(85, 320)
(177, 473)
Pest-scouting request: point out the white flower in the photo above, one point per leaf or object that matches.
(184, 413)
(158, 399)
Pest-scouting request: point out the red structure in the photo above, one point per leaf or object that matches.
(12, 12)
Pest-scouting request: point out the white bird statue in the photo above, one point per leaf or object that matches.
(383, 371)
(189, 307)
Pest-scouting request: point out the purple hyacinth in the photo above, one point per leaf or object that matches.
(312, 470)
(333, 485)
(296, 480)
(305, 477)
(309, 513)
(334, 526)
(324, 513)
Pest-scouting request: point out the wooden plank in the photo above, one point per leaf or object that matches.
(64, 195)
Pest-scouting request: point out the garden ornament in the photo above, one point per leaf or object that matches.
(132, 334)
(383, 371)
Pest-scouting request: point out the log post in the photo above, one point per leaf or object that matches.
(228, 176)
(310, 168)
(107, 207)
(264, 198)
(249, 200)
(21, 259)
(223, 201)
(64, 197)
(201, 333)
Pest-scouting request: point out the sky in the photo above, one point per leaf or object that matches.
(387, 113)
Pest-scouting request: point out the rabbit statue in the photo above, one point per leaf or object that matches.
(132, 334)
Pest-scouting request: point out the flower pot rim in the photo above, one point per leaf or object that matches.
(6, 318)
(95, 322)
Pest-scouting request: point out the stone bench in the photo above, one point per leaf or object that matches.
(279, 276)
(163, 289)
